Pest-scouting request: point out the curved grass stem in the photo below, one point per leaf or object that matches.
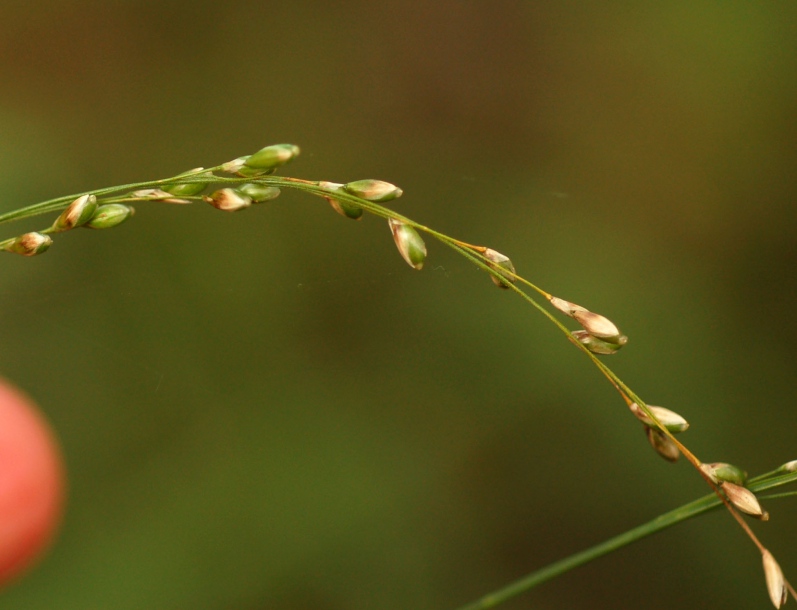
(478, 255)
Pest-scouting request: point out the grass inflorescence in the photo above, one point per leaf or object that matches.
(247, 181)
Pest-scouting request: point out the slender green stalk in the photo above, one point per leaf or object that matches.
(551, 571)
(108, 208)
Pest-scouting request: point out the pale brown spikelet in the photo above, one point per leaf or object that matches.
(228, 200)
(566, 307)
(501, 263)
(76, 214)
(594, 324)
(669, 419)
(744, 499)
(600, 327)
(663, 444)
(30, 244)
(776, 583)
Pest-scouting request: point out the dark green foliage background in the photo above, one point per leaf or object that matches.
(270, 409)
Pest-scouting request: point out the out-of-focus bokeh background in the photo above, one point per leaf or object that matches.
(270, 409)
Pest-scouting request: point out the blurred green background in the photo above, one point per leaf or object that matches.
(270, 409)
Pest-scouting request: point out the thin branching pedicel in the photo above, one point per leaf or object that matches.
(247, 181)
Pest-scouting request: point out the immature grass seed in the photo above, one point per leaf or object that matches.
(663, 444)
(776, 583)
(30, 244)
(373, 190)
(744, 499)
(566, 307)
(595, 345)
(110, 215)
(271, 157)
(669, 419)
(409, 243)
(76, 214)
(600, 327)
(344, 208)
(789, 467)
(721, 471)
(500, 262)
(187, 189)
(259, 193)
(228, 200)
(596, 325)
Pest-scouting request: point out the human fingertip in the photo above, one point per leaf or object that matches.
(32, 483)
